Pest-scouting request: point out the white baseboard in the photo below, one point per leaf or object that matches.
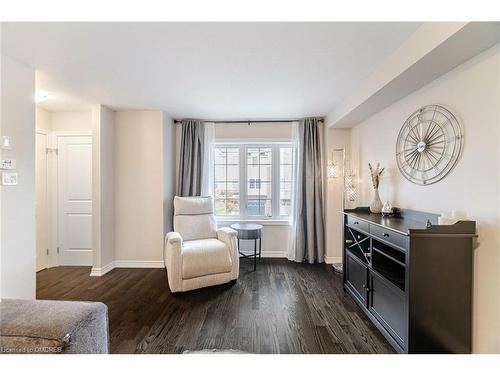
(332, 260)
(100, 271)
(139, 264)
(274, 254)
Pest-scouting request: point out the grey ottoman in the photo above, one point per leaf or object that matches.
(53, 327)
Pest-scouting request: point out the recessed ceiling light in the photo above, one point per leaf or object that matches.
(41, 96)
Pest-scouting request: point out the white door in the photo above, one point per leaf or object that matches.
(42, 230)
(74, 185)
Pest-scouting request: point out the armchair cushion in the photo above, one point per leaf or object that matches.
(195, 227)
(205, 257)
(194, 218)
(193, 205)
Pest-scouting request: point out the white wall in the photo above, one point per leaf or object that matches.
(139, 192)
(71, 121)
(472, 91)
(169, 172)
(63, 121)
(43, 119)
(18, 202)
(335, 139)
(103, 184)
(259, 130)
(107, 143)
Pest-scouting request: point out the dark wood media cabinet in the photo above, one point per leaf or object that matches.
(412, 278)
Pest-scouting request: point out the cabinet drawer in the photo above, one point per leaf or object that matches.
(389, 236)
(356, 276)
(388, 307)
(358, 224)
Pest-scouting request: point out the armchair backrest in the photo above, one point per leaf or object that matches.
(194, 218)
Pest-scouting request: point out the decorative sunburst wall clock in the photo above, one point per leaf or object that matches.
(429, 145)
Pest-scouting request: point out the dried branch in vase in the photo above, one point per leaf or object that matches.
(376, 173)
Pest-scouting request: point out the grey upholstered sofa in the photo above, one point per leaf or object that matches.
(29, 326)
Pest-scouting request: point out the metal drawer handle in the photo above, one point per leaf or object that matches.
(385, 234)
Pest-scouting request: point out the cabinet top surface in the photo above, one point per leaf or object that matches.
(399, 224)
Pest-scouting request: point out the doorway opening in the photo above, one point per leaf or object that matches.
(63, 187)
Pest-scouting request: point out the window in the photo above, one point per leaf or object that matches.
(287, 158)
(227, 180)
(259, 197)
(254, 181)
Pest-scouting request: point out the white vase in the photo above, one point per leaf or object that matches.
(375, 203)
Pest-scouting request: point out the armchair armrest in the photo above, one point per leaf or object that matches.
(226, 232)
(173, 237)
(172, 259)
(229, 237)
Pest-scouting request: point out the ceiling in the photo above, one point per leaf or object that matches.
(203, 70)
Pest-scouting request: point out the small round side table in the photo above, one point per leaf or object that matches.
(250, 231)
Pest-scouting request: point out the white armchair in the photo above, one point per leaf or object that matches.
(198, 254)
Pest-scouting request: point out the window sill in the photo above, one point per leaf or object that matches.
(227, 221)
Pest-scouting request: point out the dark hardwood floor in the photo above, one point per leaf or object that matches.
(283, 307)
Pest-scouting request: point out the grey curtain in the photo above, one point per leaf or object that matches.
(191, 158)
(308, 242)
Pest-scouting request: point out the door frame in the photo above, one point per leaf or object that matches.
(54, 191)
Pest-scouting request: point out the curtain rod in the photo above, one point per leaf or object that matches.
(245, 121)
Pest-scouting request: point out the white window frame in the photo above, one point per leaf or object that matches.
(243, 146)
